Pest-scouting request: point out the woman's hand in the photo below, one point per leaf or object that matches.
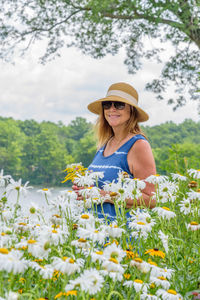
(76, 189)
(107, 196)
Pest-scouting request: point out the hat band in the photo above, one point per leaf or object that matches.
(121, 94)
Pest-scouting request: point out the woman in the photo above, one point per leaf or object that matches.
(122, 146)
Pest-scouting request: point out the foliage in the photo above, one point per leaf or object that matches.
(98, 27)
(39, 152)
(59, 248)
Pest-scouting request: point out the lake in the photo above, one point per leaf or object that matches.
(33, 195)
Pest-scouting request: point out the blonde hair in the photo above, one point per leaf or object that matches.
(104, 131)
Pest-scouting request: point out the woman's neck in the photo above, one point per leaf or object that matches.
(120, 137)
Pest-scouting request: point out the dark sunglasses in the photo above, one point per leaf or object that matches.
(117, 104)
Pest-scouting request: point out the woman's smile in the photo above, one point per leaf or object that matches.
(115, 117)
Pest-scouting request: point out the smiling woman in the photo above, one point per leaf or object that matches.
(122, 145)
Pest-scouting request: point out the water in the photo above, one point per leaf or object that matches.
(32, 196)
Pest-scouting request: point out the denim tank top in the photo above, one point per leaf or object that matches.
(111, 165)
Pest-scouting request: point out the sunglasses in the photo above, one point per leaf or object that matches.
(117, 104)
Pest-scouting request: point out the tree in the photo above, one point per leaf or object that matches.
(99, 27)
(78, 127)
(11, 147)
(85, 149)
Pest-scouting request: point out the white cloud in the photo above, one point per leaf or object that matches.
(61, 89)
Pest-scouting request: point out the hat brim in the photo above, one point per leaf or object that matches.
(96, 107)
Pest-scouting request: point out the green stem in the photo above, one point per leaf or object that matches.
(114, 293)
(16, 205)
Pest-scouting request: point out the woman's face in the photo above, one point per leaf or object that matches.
(117, 117)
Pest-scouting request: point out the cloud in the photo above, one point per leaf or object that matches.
(62, 89)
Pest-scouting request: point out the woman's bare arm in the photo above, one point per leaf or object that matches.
(142, 165)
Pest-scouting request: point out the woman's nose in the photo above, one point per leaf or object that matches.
(112, 106)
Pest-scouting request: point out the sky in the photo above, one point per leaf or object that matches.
(61, 89)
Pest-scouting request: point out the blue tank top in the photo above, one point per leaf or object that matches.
(111, 165)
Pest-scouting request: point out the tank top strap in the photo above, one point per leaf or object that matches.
(127, 146)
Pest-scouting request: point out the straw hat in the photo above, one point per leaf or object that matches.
(122, 92)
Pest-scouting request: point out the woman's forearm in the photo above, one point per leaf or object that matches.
(145, 200)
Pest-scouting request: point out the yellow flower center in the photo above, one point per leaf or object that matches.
(127, 276)
(85, 216)
(113, 260)
(99, 252)
(141, 223)
(64, 258)
(45, 190)
(54, 231)
(81, 240)
(4, 251)
(22, 223)
(96, 231)
(3, 233)
(113, 194)
(31, 242)
(166, 208)
(71, 261)
(161, 278)
(194, 223)
(57, 216)
(138, 281)
(173, 292)
(137, 259)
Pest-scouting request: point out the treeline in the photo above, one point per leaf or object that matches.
(39, 152)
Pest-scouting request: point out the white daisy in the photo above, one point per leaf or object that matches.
(12, 296)
(17, 186)
(90, 192)
(192, 195)
(112, 265)
(145, 296)
(92, 234)
(81, 244)
(114, 251)
(115, 276)
(156, 179)
(45, 271)
(97, 256)
(193, 226)
(4, 179)
(67, 265)
(134, 183)
(13, 262)
(141, 265)
(140, 286)
(165, 272)
(38, 249)
(91, 281)
(45, 191)
(160, 281)
(142, 225)
(86, 220)
(178, 177)
(168, 295)
(164, 212)
(85, 180)
(164, 239)
(185, 206)
(194, 173)
(113, 230)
